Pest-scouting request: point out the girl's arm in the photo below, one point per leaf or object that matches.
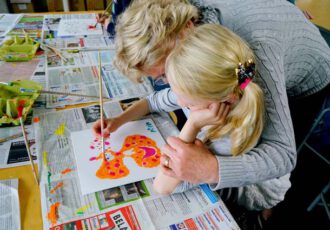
(164, 184)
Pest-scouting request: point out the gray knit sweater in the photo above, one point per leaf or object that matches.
(292, 60)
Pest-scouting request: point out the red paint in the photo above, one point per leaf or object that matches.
(91, 27)
(20, 108)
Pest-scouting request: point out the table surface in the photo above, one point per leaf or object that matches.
(29, 196)
(319, 10)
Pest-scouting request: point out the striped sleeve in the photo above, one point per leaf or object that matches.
(162, 101)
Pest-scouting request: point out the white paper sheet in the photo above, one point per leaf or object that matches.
(131, 159)
(78, 27)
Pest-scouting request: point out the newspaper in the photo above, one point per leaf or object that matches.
(81, 43)
(9, 203)
(52, 21)
(131, 206)
(13, 152)
(7, 21)
(80, 75)
(31, 24)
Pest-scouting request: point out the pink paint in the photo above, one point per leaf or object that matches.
(148, 152)
(117, 153)
(143, 137)
(112, 173)
(121, 171)
(92, 158)
(106, 143)
(92, 147)
(127, 145)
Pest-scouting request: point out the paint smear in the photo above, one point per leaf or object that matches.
(52, 217)
(65, 171)
(82, 209)
(60, 130)
(91, 27)
(48, 180)
(36, 119)
(57, 187)
(45, 160)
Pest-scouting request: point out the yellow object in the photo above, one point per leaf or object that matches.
(11, 98)
(18, 49)
(60, 130)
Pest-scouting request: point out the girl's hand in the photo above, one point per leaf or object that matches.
(101, 18)
(215, 114)
(110, 125)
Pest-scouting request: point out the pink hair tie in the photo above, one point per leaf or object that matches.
(245, 73)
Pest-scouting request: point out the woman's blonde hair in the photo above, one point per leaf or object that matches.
(204, 65)
(146, 33)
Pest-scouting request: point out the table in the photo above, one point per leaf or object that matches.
(29, 196)
(318, 9)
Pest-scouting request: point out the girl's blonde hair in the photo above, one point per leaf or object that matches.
(203, 65)
(146, 33)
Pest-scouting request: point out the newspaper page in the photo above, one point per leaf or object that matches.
(52, 21)
(79, 75)
(12, 146)
(31, 24)
(7, 21)
(9, 203)
(81, 43)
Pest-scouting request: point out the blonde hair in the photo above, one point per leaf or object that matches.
(203, 65)
(146, 33)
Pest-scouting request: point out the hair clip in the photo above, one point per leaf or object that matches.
(245, 73)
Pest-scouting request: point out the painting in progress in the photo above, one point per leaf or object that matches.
(79, 27)
(132, 153)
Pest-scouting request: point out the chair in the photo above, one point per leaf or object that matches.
(320, 127)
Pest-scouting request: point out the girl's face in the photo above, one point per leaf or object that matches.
(191, 103)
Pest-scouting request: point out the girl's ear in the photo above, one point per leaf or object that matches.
(186, 30)
(232, 98)
(190, 25)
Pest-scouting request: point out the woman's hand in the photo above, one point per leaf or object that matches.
(189, 162)
(215, 114)
(110, 125)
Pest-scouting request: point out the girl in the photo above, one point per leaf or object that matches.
(214, 80)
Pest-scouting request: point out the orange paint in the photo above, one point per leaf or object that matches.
(146, 154)
(65, 171)
(36, 119)
(52, 215)
(57, 187)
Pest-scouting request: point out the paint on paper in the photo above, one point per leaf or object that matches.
(132, 153)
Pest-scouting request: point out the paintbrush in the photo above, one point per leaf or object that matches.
(20, 115)
(12, 137)
(101, 104)
(106, 9)
(24, 90)
(55, 50)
